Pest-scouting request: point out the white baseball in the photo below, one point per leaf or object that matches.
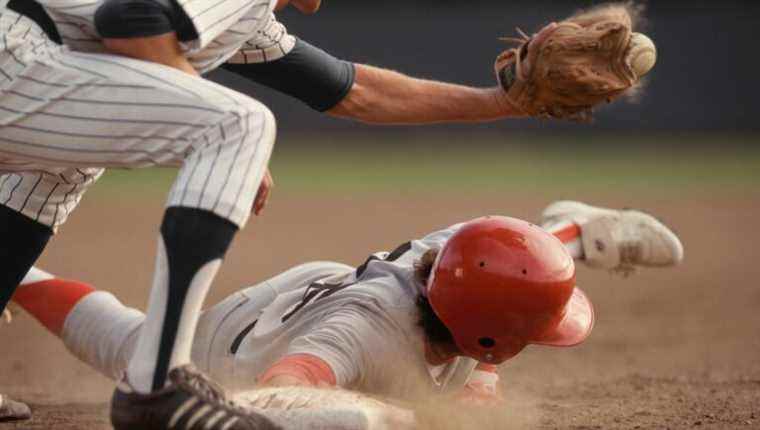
(642, 54)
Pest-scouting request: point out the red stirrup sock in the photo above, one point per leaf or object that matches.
(51, 301)
(570, 235)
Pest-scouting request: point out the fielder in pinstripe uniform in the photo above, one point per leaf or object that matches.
(66, 115)
(69, 111)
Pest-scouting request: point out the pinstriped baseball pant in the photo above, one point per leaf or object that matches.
(64, 116)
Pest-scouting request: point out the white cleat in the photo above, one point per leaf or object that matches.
(618, 240)
(11, 410)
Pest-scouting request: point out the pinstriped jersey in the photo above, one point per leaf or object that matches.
(212, 20)
(56, 118)
(240, 31)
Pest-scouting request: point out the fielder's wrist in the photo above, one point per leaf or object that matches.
(504, 105)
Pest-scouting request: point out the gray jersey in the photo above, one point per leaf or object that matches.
(361, 321)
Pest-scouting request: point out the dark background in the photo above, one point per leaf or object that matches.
(704, 79)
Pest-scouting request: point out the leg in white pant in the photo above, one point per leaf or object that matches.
(61, 109)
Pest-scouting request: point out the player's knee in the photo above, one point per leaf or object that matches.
(256, 116)
(127, 19)
(269, 122)
(269, 129)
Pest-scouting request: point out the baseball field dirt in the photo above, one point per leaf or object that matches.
(675, 349)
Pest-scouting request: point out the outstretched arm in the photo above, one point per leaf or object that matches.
(381, 96)
(361, 92)
(338, 351)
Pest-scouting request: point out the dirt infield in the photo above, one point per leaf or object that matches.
(671, 349)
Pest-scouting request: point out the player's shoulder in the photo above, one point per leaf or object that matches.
(385, 292)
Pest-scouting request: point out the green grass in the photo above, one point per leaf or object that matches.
(483, 164)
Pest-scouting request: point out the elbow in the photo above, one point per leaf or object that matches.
(365, 105)
(358, 105)
(373, 98)
(299, 370)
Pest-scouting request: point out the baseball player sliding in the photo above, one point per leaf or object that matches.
(69, 109)
(438, 313)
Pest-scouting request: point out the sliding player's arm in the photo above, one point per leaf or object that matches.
(338, 351)
(482, 387)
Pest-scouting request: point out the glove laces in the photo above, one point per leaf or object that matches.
(521, 43)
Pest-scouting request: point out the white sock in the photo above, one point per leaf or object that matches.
(102, 332)
(190, 251)
(143, 365)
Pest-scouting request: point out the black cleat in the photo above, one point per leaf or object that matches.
(11, 410)
(190, 402)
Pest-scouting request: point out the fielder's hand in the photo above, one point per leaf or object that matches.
(262, 196)
(570, 67)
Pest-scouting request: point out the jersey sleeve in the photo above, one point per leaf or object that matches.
(437, 239)
(270, 43)
(296, 68)
(351, 341)
(212, 21)
(306, 368)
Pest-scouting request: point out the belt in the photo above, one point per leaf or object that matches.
(34, 11)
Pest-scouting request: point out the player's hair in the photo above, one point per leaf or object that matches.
(434, 329)
(424, 266)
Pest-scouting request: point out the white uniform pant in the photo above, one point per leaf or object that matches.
(64, 116)
(103, 333)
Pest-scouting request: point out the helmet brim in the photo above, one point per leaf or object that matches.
(575, 326)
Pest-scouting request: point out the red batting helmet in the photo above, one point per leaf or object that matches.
(501, 283)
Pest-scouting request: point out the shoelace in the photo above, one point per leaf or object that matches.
(521, 42)
(205, 388)
(7, 316)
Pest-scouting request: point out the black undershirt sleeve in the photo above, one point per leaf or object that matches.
(35, 12)
(307, 73)
(143, 18)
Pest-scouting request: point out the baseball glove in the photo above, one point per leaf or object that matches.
(569, 67)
